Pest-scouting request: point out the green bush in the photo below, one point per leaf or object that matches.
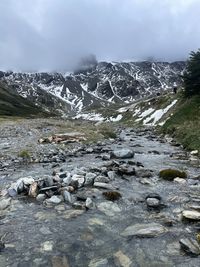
(170, 174)
(107, 132)
(24, 154)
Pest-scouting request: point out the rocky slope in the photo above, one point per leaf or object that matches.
(12, 104)
(99, 86)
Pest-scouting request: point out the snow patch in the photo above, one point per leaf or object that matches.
(158, 114)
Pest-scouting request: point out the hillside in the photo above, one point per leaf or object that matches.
(99, 86)
(184, 124)
(12, 104)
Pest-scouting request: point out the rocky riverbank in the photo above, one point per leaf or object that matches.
(96, 205)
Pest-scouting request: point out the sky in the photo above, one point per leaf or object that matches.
(53, 35)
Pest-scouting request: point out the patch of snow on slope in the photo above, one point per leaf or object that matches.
(145, 114)
(90, 117)
(157, 115)
(118, 118)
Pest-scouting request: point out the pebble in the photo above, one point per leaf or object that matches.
(54, 200)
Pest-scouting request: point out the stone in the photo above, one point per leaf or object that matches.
(89, 178)
(89, 150)
(47, 246)
(103, 185)
(98, 263)
(33, 190)
(58, 261)
(190, 246)
(54, 200)
(153, 202)
(121, 259)
(194, 152)
(4, 203)
(122, 154)
(109, 208)
(67, 196)
(41, 197)
(125, 169)
(144, 230)
(89, 203)
(106, 157)
(191, 215)
(72, 214)
(111, 175)
(12, 192)
(180, 180)
(27, 180)
(45, 231)
(102, 179)
(78, 178)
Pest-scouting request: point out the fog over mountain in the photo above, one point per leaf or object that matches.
(48, 35)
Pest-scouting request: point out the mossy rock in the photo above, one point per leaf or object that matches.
(112, 195)
(170, 174)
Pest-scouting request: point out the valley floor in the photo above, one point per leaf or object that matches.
(142, 228)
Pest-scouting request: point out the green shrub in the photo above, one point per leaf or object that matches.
(170, 174)
(112, 195)
(107, 132)
(24, 154)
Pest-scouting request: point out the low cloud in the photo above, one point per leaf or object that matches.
(55, 34)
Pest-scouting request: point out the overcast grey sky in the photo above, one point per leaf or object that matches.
(55, 34)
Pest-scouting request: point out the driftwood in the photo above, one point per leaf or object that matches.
(64, 138)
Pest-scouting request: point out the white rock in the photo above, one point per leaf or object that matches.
(79, 178)
(191, 214)
(47, 246)
(122, 154)
(180, 180)
(103, 185)
(194, 152)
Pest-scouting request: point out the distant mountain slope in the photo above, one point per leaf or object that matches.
(98, 86)
(12, 104)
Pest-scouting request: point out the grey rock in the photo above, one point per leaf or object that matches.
(144, 230)
(54, 200)
(79, 179)
(111, 175)
(12, 192)
(102, 179)
(41, 197)
(103, 185)
(89, 178)
(122, 154)
(4, 203)
(125, 169)
(89, 203)
(109, 208)
(190, 246)
(67, 196)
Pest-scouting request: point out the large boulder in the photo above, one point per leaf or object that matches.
(122, 154)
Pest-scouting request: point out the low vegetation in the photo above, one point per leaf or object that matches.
(25, 154)
(170, 174)
(184, 124)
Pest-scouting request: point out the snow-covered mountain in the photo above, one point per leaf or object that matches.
(98, 86)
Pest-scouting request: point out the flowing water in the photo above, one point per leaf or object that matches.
(63, 236)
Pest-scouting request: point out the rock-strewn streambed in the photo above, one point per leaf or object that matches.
(58, 213)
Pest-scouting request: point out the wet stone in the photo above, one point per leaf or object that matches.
(191, 215)
(121, 259)
(144, 230)
(122, 154)
(190, 246)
